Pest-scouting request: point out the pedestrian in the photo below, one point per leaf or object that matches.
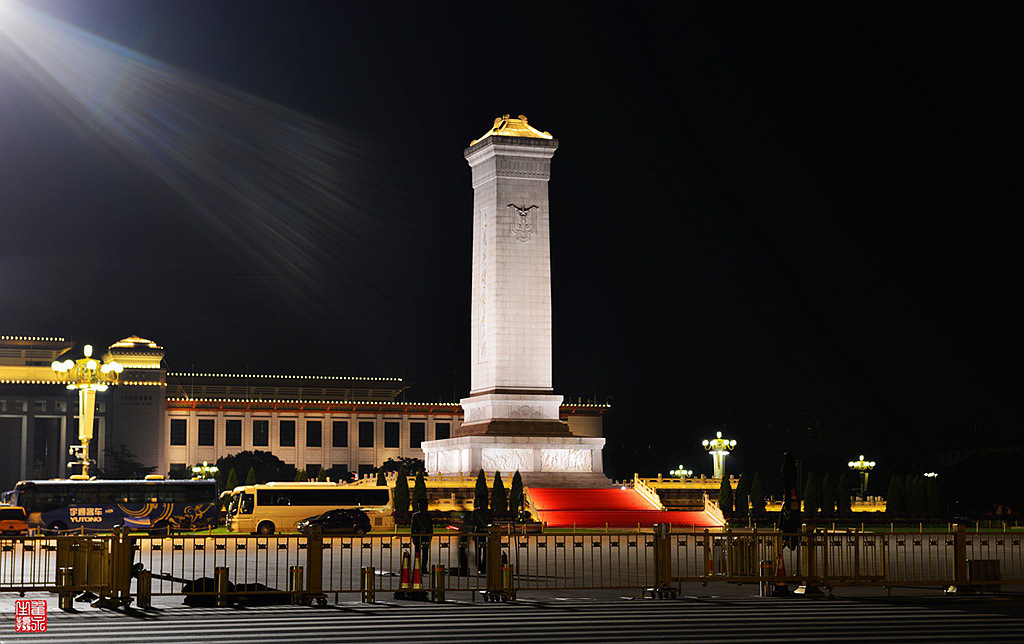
(481, 526)
(422, 529)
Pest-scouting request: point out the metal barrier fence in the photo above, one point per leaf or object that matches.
(221, 569)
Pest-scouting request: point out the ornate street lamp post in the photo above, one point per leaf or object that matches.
(204, 471)
(864, 468)
(719, 448)
(88, 375)
(681, 472)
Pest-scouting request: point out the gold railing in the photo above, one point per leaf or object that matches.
(300, 569)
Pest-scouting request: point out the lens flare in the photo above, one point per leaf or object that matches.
(290, 192)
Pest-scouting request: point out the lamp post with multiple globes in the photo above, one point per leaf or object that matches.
(719, 448)
(863, 468)
(88, 375)
(681, 472)
(204, 471)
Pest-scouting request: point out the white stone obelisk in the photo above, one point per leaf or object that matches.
(512, 415)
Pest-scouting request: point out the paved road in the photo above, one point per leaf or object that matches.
(683, 620)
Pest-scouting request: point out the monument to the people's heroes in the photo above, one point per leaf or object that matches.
(511, 417)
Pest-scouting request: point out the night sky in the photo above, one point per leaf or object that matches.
(800, 225)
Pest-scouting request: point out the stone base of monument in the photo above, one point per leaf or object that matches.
(542, 461)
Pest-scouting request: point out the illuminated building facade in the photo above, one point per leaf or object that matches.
(180, 419)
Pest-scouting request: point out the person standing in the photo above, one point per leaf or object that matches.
(422, 528)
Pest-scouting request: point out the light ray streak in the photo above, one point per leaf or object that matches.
(284, 187)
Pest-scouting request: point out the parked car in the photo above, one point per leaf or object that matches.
(337, 522)
(13, 520)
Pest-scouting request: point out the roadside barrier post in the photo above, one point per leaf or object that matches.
(708, 562)
(315, 562)
(808, 562)
(65, 579)
(366, 584)
(121, 566)
(437, 584)
(494, 560)
(295, 583)
(662, 563)
(960, 583)
(220, 584)
(145, 590)
(508, 592)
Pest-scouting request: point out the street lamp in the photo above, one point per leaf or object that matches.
(204, 471)
(864, 468)
(681, 472)
(719, 448)
(88, 375)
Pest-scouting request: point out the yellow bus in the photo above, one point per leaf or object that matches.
(277, 507)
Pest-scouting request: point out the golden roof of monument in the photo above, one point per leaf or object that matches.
(507, 126)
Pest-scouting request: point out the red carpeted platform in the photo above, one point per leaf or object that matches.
(614, 507)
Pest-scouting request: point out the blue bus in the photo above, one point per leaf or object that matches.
(155, 506)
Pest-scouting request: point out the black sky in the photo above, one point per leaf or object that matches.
(763, 218)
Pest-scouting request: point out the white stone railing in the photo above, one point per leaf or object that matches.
(696, 482)
(712, 508)
(869, 504)
(647, 492)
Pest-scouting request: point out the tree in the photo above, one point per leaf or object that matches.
(265, 465)
(828, 496)
(894, 506)
(250, 478)
(179, 472)
(401, 493)
(757, 495)
(121, 464)
(340, 473)
(499, 498)
(321, 476)
(725, 495)
(515, 495)
(419, 490)
(936, 500)
(742, 501)
(843, 496)
(812, 496)
(411, 465)
(232, 481)
(480, 492)
(915, 496)
(301, 476)
(382, 480)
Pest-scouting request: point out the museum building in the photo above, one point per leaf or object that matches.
(173, 420)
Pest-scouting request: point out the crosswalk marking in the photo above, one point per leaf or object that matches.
(720, 621)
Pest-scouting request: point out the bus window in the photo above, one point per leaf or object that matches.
(107, 494)
(142, 494)
(200, 492)
(170, 494)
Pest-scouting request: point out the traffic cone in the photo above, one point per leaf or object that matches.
(403, 583)
(781, 588)
(417, 574)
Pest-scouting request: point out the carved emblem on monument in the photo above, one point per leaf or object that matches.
(523, 226)
(524, 411)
